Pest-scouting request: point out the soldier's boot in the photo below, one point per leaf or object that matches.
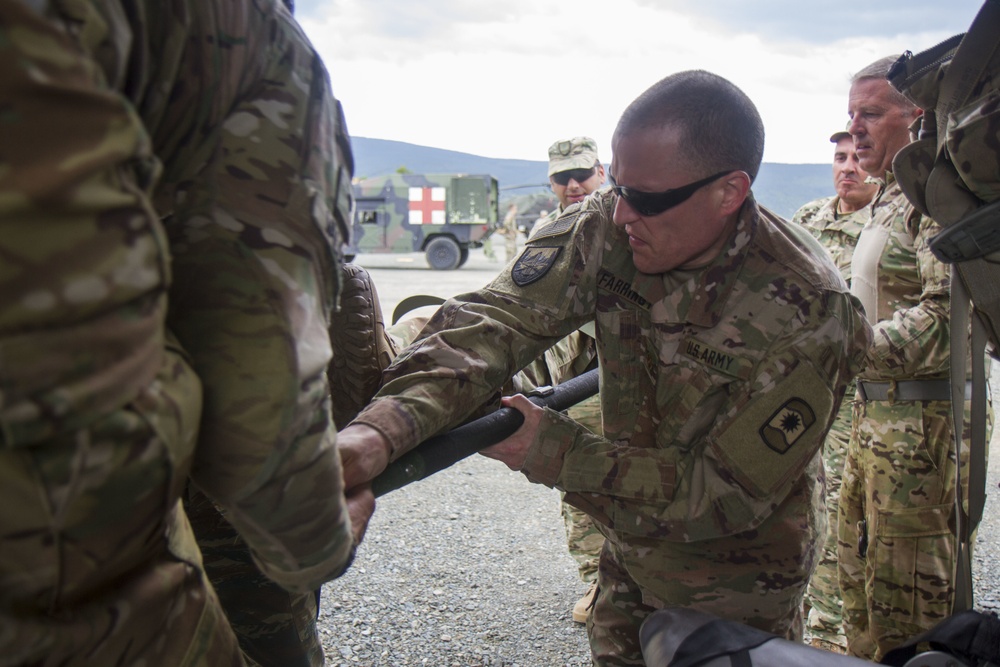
(582, 607)
(817, 642)
(361, 347)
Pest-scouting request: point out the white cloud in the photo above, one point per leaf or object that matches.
(506, 81)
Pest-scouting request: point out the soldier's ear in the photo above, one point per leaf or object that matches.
(734, 189)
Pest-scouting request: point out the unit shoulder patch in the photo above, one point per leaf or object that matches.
(533, 264)
(787, 425)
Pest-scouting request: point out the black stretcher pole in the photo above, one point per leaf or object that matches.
(441, 451)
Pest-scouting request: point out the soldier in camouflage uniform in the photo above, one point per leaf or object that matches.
(726, 338)
(509, 229)
(836, 223)
(109, 397)
(575, 170)
(896, 548)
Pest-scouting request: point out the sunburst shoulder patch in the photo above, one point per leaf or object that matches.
(787, 424)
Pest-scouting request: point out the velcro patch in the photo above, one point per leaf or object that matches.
(777, 433)
(558, 226)
(534, 262)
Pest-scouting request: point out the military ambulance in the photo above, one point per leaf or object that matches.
(441, 215)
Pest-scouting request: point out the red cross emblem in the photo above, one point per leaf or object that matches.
(427, 206)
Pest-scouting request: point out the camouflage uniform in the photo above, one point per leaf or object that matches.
(896, 548)
(838, 233)
(510, 233)
(573, 355)
(718, 386)
(101, 406)
(566, 359)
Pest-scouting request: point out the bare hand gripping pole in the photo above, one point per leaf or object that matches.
(437, 453)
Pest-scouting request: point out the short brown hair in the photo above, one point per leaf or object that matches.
(720, 126)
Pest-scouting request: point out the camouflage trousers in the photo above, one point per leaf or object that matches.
(822, 604)
(621, 606)
(896, 547)
(510, 245)
(583, 538)
(275, 628)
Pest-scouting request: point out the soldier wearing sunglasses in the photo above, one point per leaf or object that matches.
(726, 338)
(574, 171)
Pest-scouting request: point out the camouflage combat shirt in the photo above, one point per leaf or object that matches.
(230, 106)
(837, 232)
(908, 305)
(718, 387)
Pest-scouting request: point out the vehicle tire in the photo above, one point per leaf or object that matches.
(464, 257)
(443, 253)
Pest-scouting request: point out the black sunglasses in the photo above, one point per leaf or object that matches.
(578, 175)
(654, 203)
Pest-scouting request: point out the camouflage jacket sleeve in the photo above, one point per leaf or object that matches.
(255, 196)
(477, 341)
(692, 452)
(723, 482)
(913, 294)
(570, 357)
(85, 265)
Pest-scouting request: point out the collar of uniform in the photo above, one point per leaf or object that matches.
(888, 190)
(834, 205)
(702, 299)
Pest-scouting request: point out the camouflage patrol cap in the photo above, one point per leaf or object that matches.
(842, 134)
(575, 153)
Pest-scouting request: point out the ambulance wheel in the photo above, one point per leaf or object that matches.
(443, 253)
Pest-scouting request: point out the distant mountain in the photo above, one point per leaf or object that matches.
(780, 187)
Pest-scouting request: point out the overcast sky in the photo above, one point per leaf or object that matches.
(505, 79)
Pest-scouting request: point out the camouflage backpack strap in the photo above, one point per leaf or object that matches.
(959, 313)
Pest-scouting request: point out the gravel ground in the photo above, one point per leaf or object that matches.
(469, 567)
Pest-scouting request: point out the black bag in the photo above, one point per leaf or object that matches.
(970, 636)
